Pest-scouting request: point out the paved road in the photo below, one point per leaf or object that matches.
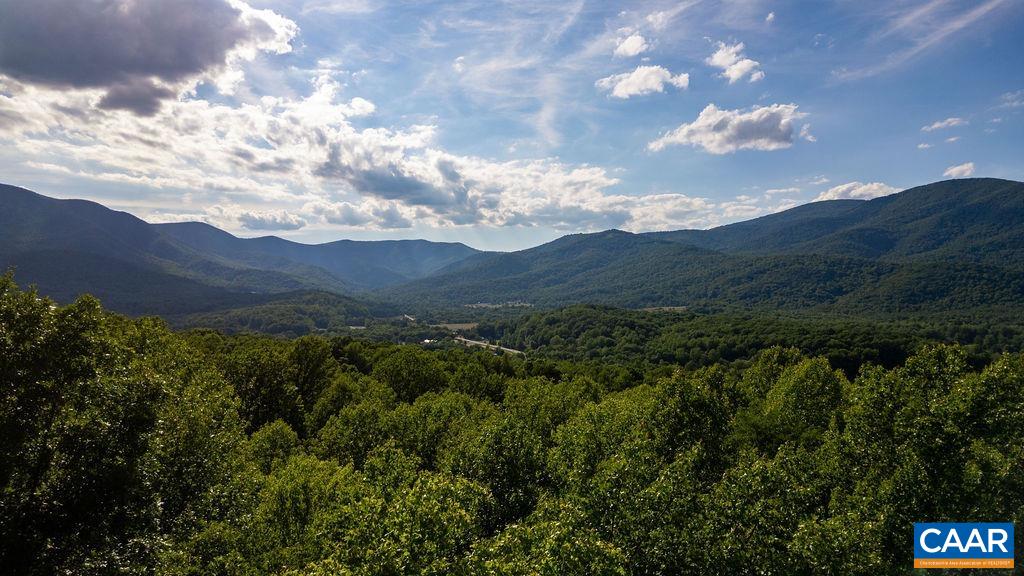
(469, 342)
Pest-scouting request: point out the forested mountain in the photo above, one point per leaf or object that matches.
(971, 218)
(71, 247)
(950, 245)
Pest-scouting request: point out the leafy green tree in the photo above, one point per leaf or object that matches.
(435, 419)
(507, 457)
(260, 376)
(313, 367)
(410, 372)
(272, 445)
(555, 540)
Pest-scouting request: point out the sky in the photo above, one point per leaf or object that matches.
(502, 125)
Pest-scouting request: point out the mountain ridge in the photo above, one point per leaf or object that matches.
(954, 244)
(843, 255)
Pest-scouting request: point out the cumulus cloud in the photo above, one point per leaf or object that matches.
(140, 52)
(960, 170)
(770, 17)
(734, 65)
(299, 159)
(340, 213)
(724, 131)
(632, 45)
(283, 162)
(277, 220)
(923, 146)
(643, 80)
(943, 124)
(857, 191)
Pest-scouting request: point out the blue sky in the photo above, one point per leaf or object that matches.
(502, 125)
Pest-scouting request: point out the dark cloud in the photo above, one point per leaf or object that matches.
(392, 181)
(121, 45)
(138, 95)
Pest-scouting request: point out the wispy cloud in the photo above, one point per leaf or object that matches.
(1012, 99)
(924, 27)
(943, 124)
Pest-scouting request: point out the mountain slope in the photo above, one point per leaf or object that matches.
(976, 219)
(953, 246)
(46, 239)
(70, 247)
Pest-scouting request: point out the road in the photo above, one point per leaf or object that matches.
(469, 342)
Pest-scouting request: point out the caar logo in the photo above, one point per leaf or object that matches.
(963, 545)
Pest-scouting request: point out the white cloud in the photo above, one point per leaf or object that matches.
(805, 133)
(340, 6)
(459, 64)
(960, 170)
(857, 190)
(661, 19)
(1012, 99)
(770, 17)
(952, 139)
(943, 124)
(633, 45)
(734, 65)
(923, 146)
(725, 131)
(287, 163)
(777, 191)
(643, 80)
(270, 220)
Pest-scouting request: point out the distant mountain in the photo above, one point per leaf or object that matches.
(955, 245)
(363, 264)
(70, 247)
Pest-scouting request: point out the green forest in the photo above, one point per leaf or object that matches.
(129, 448)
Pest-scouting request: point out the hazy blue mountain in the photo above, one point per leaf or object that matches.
(365, 264)
(70, 247)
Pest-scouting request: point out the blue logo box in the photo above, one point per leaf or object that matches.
(963, 544)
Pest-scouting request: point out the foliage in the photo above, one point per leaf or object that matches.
(127, 448)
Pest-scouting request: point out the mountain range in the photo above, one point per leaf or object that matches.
(956, 245)
(69, 247)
